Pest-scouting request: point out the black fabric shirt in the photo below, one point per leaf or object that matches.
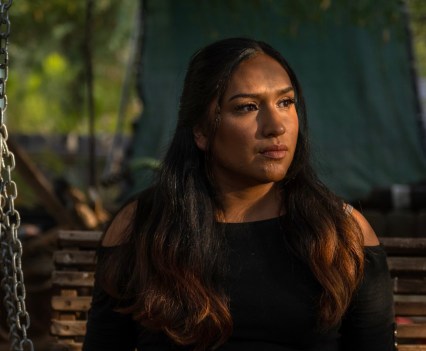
(273, 301)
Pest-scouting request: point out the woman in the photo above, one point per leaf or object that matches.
(238, 245)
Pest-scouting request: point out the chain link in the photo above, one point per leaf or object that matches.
(12, 282)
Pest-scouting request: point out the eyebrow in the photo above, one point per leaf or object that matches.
(248, 95)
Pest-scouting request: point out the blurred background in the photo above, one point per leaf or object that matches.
(93, 94)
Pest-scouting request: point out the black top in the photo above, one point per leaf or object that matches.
(273, 299)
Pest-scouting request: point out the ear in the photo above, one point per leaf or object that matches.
(200, 138)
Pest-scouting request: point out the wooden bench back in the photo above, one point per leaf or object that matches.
(407, 264)
(73, 279)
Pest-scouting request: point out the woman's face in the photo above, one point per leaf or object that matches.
(258, 126)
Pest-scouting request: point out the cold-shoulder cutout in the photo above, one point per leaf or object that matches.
(116, 233)
(370, 237)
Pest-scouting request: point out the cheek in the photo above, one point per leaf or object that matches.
(236, 136)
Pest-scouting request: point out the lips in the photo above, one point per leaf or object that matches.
(274, 151)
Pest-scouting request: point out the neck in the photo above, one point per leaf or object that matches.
(250, 204)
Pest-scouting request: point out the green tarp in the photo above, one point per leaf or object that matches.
(353, 64)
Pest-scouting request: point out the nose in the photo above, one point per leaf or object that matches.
(272, 123)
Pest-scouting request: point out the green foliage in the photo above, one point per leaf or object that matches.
(46, 87)
(417, 12)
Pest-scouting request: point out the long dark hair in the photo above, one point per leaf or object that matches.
(176, 248)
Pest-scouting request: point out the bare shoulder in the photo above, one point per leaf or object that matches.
(116, 232)
(370, 237)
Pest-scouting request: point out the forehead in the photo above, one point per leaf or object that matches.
(260, 72)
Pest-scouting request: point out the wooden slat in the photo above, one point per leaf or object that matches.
(407, 265)
(409, 286)
(411, 347)
(67, 316)
(64, 303)
(404, 246)
(68, 328)
(74, 279)
(412, 331)
(74, 257)
(69, 292)
(410, 308)
(79, 238)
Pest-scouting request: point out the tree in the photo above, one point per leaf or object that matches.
(46, 82)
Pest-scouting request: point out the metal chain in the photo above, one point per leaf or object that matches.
(12, 282)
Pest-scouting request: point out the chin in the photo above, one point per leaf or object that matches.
(278, 179)
(275, 176)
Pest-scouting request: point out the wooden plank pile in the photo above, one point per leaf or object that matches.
(73, 280)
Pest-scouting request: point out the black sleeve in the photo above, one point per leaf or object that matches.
(108, 330)
(369, 323)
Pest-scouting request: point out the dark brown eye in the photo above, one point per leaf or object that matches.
(286, 103)
(246, 108)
